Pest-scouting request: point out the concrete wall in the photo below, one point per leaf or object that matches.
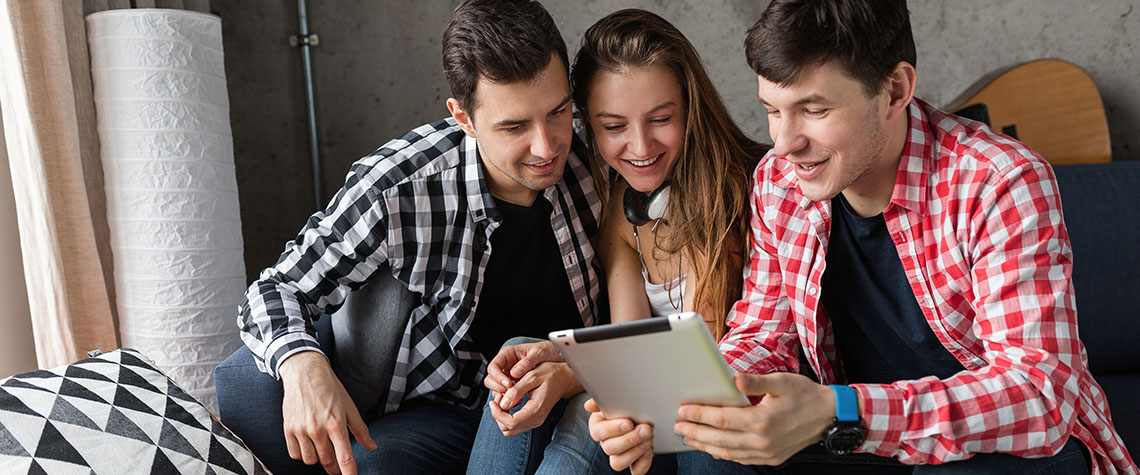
(378, 75)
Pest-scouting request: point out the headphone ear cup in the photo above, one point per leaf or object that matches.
(658, 203)
(635, 210)
(641, 209)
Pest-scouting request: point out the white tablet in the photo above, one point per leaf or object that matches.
(646, 369)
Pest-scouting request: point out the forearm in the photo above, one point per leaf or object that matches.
(570, 385)
(309, 278)
(760, 342)
(268, 330)
(762, 335)
(1016, 324)
(1020, 410)
(297, 365)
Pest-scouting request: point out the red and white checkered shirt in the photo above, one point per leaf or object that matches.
(976, 220)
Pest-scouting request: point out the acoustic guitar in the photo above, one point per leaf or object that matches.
(1051, 105)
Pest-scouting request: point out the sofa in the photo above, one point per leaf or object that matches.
(1101, 205)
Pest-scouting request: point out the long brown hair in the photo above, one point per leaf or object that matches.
(711, 180)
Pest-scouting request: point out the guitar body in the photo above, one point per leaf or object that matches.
(1051, 105)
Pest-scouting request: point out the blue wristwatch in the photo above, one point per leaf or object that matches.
(846, 434)
(846, 403)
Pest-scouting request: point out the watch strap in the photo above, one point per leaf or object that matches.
(846, 403)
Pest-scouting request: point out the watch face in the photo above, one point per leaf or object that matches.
(843, 439)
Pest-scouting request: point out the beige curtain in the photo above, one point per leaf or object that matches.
(17, 350)
(53, 151)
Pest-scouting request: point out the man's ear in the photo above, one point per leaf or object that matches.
(900, 88)
(461, 116)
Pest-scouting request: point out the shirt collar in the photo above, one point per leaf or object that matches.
(480, 204)
(917, 161)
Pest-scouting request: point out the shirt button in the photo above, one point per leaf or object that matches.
(812, 291)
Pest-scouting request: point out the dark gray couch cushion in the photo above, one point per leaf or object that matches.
(367, 332)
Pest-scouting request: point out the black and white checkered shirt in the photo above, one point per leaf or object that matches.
(421, 204)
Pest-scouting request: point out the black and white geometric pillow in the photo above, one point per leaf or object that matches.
(112, 414)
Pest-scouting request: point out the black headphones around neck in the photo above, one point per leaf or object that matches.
(641, 209)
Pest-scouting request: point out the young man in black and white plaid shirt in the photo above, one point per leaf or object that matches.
(490, 215)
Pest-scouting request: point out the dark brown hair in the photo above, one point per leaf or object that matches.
(504, 41)
(708, 201)
(867, 38)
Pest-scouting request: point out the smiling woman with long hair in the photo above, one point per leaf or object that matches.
(658, 121)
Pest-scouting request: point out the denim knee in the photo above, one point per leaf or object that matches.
(521, 340)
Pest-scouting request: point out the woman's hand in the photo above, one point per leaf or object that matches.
(629, 445)
(543, 387)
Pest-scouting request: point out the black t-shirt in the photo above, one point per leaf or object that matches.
(881, 332)
(525, 289)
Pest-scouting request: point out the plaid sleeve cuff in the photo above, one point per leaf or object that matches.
(883, 418)
(745, 357)
(287, 345)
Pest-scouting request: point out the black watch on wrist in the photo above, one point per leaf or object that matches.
(846, 434)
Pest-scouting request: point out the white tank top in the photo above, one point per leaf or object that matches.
(664, 299)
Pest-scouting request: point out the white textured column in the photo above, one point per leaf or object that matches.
(172, 201)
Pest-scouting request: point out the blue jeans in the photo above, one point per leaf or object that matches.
(421, 437)
(562, 444)
(685, 463)
(1071, 460)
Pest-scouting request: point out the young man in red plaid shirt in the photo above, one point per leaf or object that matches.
(915, 261)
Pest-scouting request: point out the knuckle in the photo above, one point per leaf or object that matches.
(718, 419)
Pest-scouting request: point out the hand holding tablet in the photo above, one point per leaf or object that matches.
(646, 369)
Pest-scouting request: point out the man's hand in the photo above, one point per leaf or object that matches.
(515, 361)
(319, 414)
(792, 415)
(546, 385)
(628, 445)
